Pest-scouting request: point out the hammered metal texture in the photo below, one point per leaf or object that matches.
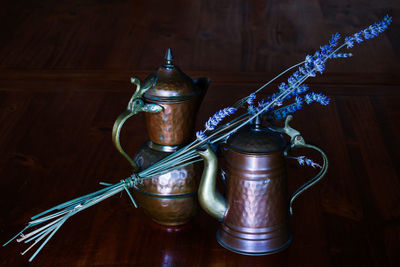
(257, 218)
(256, 140)
(171, 198)
(174, 125)
(171, 82)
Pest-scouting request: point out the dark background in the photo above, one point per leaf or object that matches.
(64, 78)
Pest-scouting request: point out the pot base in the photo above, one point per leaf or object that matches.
(168, 210)
(171, 224)
(250, 253)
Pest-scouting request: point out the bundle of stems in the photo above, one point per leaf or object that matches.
(47, 223)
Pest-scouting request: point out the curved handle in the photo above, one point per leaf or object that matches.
(135, 105)
(297, 141)
(315, 179)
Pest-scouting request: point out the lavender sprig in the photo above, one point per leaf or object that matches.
(333, 42)
(320, 98)
(214, 120)
(369, 32)
(261, 104)
(281, 113)
(316, 63)
(250, 101)
(302, 160)
(201, 135)
(341, 55)
(311, 65)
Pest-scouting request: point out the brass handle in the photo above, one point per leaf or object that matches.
(297, 141)
(135, 105)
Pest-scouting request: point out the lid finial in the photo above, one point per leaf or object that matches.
(168, 57)
(256, 122)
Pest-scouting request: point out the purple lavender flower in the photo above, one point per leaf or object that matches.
(283, 86)
(320, 98)
(302, 160)
(358, 37)
(292, 81)
(349, 41)
(300, 89)
(311, 72)
(369, 32)
(334, 40)
(309, 59)
(251, 98)
(326, 50)
(316, 63)
(302, 70)
(263, 103)
(218, 117)
(341, 55)
(281, 113)
(297, 75)
(319, 65)
(201, 135)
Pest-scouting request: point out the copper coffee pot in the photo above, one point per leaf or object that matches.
(170, 100)
(255, 214)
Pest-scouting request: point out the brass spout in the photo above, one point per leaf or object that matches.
(210, 199)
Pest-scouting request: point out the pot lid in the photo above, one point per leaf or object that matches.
(170, 83)
(255, 139)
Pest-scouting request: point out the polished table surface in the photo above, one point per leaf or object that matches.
(64, 78)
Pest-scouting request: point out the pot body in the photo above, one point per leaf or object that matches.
(257, 219)
(175, 124)
(171, 198)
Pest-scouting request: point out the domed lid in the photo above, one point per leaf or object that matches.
(170, 83)
(254, 139)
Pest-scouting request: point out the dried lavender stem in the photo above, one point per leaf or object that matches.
(37, 230)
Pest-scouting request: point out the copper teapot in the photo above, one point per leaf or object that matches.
(255, 214)
(170, 100)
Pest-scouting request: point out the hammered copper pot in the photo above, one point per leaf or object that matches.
(171, 100)
(255, 213)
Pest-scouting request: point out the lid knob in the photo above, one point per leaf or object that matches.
(256, 122)
(168, 58)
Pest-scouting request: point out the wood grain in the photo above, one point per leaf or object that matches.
(64, 78)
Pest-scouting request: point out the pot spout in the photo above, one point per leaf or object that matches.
(210, 199)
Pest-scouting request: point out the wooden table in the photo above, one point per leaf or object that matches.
(64, 78)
